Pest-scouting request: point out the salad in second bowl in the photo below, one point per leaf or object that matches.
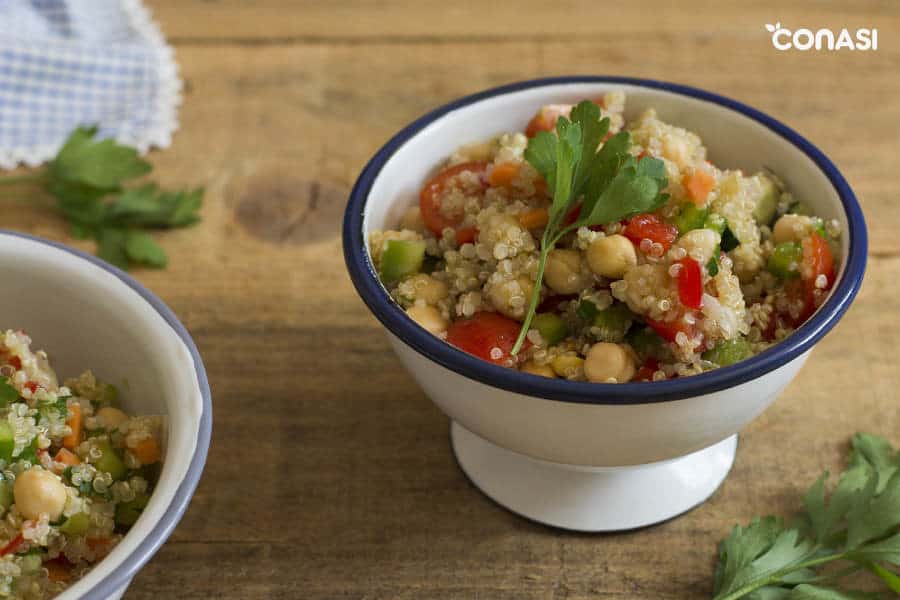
(588, 248)
(75, 471)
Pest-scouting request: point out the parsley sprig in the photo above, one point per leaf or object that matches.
(856, 526)
(611, 184)
(87, 176)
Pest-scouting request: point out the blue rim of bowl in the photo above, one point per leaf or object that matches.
(388, 312)
(161, 531)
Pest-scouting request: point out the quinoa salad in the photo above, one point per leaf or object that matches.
(723, 265)
(75, 471)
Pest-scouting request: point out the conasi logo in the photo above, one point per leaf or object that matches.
(822, 39)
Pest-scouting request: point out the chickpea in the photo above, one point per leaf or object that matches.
(568, 366)
(611, 256)
(110, 418)
(511, 298)
(791, 228)
(38, 491)
(700, 244)
(428, 317)
(607, 362)
(536, 369)
(412, 219)
(563, 273)
(427, 288)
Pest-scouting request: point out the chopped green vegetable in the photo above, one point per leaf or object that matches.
(587, 310)
(110, 461)
(767, 202)
(7, 393)
(691, 217)
(610, 182)
(712, 267)
(87, 178)
(716, 222)
(401, 258)
(784, 262)
(729, 352)
(551, 327)
(645, 342)
(7, 441)
(856, 526)
(127, 513)
(29, 452)
(77, 524)
(614, 322)
(6, 494)
(729, 241)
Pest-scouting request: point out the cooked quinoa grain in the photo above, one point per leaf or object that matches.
(75, 471)
(727, 267)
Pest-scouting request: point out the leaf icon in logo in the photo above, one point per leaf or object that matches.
(771, 28)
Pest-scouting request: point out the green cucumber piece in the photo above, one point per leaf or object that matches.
(729, 352)
(110, 461)
(645, 342)
(551, 327)
(691, 217)
(7, 441)
(767, 203)
(127, 513)
(587, 310)
(401, 258)
(7, 393)
(716, 222)
(784, 262)
(614, 322)
(77, 524)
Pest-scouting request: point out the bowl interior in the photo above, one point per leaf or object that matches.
(733, 141)
(87, 318)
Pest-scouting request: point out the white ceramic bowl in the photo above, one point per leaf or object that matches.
(594, 456)
(89, 315)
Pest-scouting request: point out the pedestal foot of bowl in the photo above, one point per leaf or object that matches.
(592, 499)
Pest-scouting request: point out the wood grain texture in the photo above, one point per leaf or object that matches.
(320, 488)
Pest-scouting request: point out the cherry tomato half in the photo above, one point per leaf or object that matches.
(430, 201)
(487, 335)
(648, 226)
(817, 261)
(690, 283)
(668, 330)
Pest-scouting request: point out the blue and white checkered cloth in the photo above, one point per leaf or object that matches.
(65, 63)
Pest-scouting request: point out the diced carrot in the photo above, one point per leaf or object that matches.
(503, 174)
(100, 546)
(72, 440)
(13, 545)
(58, 571)
(534, 219)
(67, 458)
(699, 184)
(147, 451)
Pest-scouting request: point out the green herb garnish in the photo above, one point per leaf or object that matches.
(611, 184)
(856, 526)
(7, 392)
(86, 178)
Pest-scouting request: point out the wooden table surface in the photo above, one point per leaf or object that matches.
(330, 474)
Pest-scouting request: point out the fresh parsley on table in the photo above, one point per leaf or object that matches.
(87, 176)
(854, 528)
(610, 184)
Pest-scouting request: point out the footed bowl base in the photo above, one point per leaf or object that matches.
(592, 499)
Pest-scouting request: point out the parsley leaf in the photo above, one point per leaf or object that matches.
(87, 177)
(610, 184)
(857, 524)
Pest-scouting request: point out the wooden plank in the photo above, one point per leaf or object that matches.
(429, 21)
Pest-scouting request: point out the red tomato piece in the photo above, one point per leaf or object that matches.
(669, 330)
(690, 283)
(12, 546)
(546, 117)
(648, 226)
(16, 362)
(817, 261)
(430, 201)
(645, 373)
(32, 386)
(487, 335)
